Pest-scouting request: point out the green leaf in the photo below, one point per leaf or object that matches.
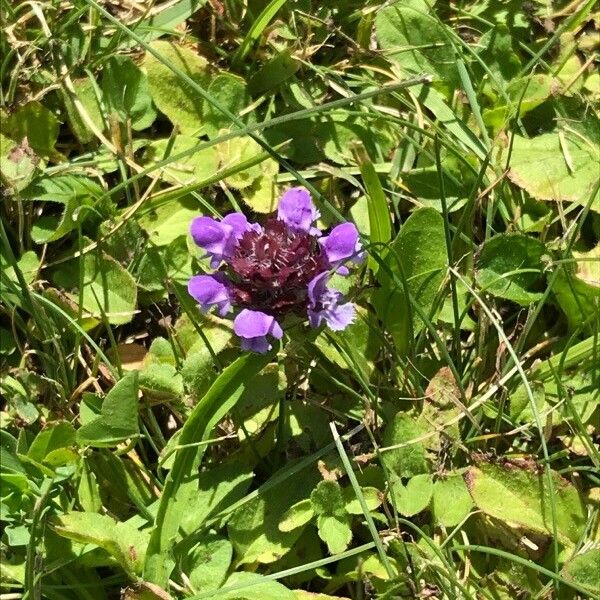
(253, 586)
(254, 527)
(501, 257)
(37, 124)
(327, 499)
(173, 97)
(556, 166)
(371, 495)
(297, 515)
(583, 570)
(54, 437)
(521, 496)
(161, 382)
(118, 420)
(18, 163)
(107, 289)
(194, 168)
(451, 501)
(335, 531)
(180, 484)
(206, 564)
(408, 460)
(277, 70)
(577, 288)
(415, 41)
(417, 256)
(122, 540)
(229, 91)
(86, 92)
(414, 497)
(126, 92)
(76, 194)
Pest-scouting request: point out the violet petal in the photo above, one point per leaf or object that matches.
(297, 211)
(253, 326)
(325, 305)
(342, 244)
(209, 291)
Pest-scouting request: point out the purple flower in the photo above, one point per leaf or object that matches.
(219, 239)
(325, 304)
(209, 291)
(270, 271)
(297, 211)
(341, 245)
(253, 327)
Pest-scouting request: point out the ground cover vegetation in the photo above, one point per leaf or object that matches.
(424, 424)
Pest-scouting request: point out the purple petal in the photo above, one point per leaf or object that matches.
(239, 224)
(209, 291)
(325, 304)
(297, 210)
(342, 244)
(219, 239)
(253, 327)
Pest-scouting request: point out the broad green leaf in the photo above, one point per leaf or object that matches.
(9, 461)
(495, 48)
(118, 419)
(34, 122)
(415, 41)
(277, 70)
(229, 91)
(525, 94)
(371, 495)
(408, 460)
(108, 289)
(161, 382)
(193, 168)
(180, 485)
(54, 437)
(206, 564)
(451, 501)
(584, 570)
(254, 527)
(417, 256)
(500, 266)
(142, 590)
(557, 166)
(253, 586)
(298, 515)
(126, 92)
(123, 541)
(577, 288)
(526, 499)
(76, 194)
(161, 265)
(335, 531)
(414, 497)
(173, 97)
(218, 488)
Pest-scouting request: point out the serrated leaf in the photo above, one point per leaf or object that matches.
(229, 91)
(583, 570)
(206, 563)
(173, 97)
(327, 499)
(34, 122)
(335, 532)
(123, 541)
(161, 382)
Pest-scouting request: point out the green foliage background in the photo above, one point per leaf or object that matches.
(445, 445)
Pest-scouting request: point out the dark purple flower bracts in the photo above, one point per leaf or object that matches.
(272, 270)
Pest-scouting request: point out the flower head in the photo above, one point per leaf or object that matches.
(273, 270)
